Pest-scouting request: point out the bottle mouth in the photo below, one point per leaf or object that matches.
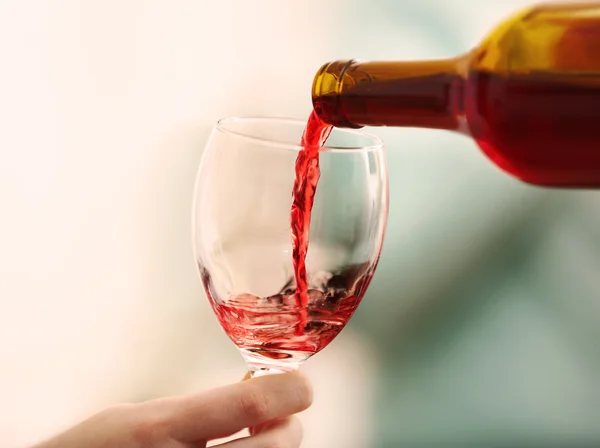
(328, 86)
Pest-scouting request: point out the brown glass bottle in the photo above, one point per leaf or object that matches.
(529, 95)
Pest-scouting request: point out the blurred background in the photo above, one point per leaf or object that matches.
(481, 327)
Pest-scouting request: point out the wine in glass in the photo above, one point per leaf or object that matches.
(243, 243)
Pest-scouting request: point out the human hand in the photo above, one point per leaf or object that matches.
(266, 404)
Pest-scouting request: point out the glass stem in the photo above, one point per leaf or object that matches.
(259, 365)
(256, 372)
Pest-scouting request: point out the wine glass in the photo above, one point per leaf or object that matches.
(243, 245)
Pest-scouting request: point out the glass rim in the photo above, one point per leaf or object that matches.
(378, 144)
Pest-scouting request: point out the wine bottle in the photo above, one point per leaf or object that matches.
(529, 94)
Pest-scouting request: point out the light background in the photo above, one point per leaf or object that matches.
(481, 324)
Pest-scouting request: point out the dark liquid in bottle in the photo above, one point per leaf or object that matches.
(543, 128)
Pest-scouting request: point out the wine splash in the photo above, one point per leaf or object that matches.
(265, 328)
(305, 187)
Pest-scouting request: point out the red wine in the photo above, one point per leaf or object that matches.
(266, 327)
(303, 193)
(269, 325)
(540, 127)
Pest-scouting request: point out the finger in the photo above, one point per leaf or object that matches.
(227, 410)
(284, 433)
(260, 427)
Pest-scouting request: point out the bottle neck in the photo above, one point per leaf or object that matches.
(428, 94)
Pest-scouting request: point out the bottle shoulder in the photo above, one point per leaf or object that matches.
(545, 38)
